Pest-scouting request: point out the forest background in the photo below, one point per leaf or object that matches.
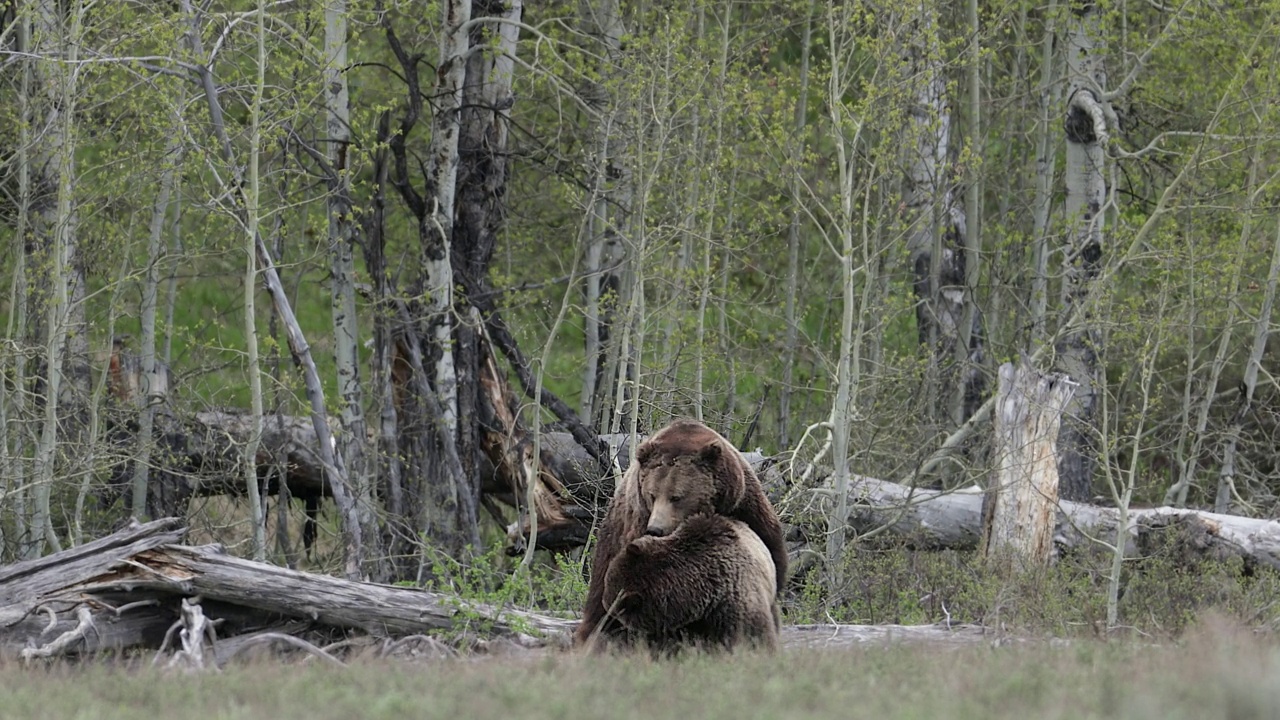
(818, 227)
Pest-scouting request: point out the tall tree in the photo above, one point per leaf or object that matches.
(353, 438)
(1078, 350)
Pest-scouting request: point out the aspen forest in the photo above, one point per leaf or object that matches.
(389, 290)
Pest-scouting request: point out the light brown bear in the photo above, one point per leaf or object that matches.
(709, 585)
(683, 471)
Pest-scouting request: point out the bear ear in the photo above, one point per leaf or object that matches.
(644, 454)
(725, 468)
(710, 456)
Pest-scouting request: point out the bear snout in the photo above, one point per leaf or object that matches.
(656, 531)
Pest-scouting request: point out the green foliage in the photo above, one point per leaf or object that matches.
(554, 584)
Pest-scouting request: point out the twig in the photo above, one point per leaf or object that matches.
(53, 619)
(288, 640)
(391, 647)
(63, 641)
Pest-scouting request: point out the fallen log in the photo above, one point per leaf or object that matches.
(930, 519)
(138, 590)
(125, 591)
(925, 518)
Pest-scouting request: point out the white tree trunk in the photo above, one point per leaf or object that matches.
(1022, 496)
(603, 21)
(793, 235)
(442, 173)
(252, 213)
(152, 389)
(1261, 331)
(335, 470)
(1086, 130)
(353, 438)
(846, 133)
(1046, 160)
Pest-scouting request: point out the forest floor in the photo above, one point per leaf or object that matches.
(1215, 670)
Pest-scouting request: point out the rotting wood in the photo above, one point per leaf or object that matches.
(119, 601)
(138, 583)
(1018, 510)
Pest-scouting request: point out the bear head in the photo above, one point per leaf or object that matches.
(684, 471)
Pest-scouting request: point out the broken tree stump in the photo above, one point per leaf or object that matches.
(1021, 501)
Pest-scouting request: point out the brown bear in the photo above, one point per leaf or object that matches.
(709, 585)
(683, 470)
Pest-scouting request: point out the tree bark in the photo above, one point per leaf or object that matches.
(609, 213)
(1078, 350)
(353, 439)
(795, 157)
(1046, 160)
(935, 243)
(1018, 512)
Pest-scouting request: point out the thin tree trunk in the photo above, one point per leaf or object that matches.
(796, 156)
(13, 475)
(708, 247)
(970, 382)
(353, 541)
(1262, 330)
(1046, 159)
(612, 191)
(258, 548)
(1208, 387)
(848, 363)
(59, 81)
(152, 389)
(1079, 349)
(352, 439)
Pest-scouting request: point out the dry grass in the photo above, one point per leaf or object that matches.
(1216, 671)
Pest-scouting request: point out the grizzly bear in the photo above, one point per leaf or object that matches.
(708, 585)
(684, 470)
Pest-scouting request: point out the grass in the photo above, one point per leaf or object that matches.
(1217, 670)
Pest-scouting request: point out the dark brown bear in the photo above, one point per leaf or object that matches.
(708, 585)
(683, 470)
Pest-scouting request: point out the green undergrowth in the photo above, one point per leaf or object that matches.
(1217, 671)
(1160, 594)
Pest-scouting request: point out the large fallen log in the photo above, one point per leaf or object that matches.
(132, 590)
(941, 519)
(925, 518)
(126, 589)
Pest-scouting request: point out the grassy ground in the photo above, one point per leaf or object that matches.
(1216, 671)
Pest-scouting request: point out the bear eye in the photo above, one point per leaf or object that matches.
(676, 498)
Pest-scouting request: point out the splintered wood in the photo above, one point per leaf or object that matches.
(1021, 505)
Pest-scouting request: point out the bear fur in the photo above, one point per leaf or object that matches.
(708, 585)
(684, 470)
